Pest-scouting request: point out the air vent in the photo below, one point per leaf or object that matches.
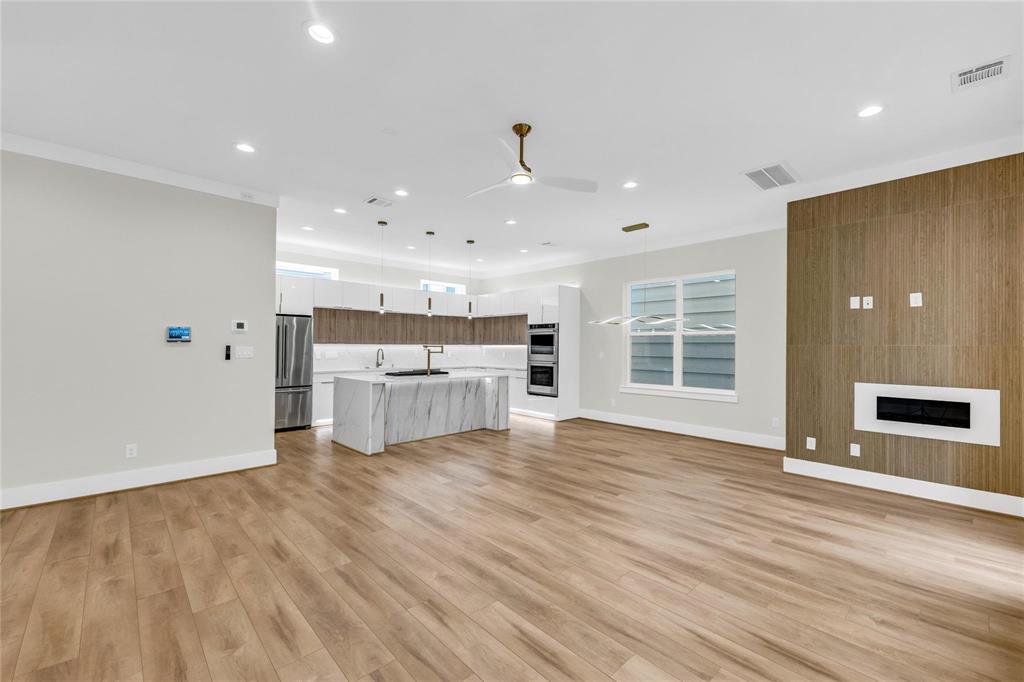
(770, 177)
(978, 75)
(378, 202)
(551, 244)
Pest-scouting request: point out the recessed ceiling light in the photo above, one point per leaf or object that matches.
(320, 33)
(340, 210)
(629, 184)
(869, 111)
(524, 251)
(401, 193)
(411, 247)
(479, 260)
(510, 221)
(245, 147)
(307, 228)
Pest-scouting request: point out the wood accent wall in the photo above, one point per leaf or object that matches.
(333, 325)
(955, 235)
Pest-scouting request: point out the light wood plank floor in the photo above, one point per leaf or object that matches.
(571, 551)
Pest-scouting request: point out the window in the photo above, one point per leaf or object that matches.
(442, 287)
(300, 270)
(681, 336)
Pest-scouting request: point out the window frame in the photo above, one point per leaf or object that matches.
(431, 285)
(292, 269)
(676, 390)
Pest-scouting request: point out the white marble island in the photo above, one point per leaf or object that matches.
(372, 411)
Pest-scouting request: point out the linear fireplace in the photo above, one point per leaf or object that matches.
(921, 411)
(964, 415)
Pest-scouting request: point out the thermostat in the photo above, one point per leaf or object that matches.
(240, 326)
(179, 334)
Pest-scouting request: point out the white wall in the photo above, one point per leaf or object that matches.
(760, 263)
(95, 266)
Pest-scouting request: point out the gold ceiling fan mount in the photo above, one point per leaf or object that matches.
(522, 130)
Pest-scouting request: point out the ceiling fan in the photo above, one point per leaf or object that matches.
(521, 174)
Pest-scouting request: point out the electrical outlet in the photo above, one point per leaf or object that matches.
(812, 443)
(613, 402)
(776, 422)
(131, 450)
(916, 299)
(854, 449)
(869, 302)
(244, 352)
(855, 303)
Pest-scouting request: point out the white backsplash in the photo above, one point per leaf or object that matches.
(329, 357)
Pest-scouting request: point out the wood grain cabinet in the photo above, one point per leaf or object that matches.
(332, 325)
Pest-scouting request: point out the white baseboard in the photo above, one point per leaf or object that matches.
(51, 491)
(322, 422)
(713, 432)
(533, 413)
(940, 492)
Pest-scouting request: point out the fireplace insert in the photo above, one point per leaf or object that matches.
(921, 411)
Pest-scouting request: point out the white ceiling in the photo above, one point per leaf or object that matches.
(681, 97)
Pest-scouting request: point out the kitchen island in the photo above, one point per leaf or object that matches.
(372, 411)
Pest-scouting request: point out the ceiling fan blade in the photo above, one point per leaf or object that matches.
(571, 184)
(509, 156)
(503, 183)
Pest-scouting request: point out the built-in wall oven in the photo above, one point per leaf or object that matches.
(542, 359)
(542, 378)
(542, 342)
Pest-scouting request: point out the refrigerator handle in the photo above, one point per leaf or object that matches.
(284, 357)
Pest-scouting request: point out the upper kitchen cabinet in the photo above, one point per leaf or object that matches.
(295, 295)
(327, 293)
(358, 296)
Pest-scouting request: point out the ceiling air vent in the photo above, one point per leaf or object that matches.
(378, 202)
(978, 75)
(770, 177)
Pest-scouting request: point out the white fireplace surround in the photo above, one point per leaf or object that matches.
(984, 428)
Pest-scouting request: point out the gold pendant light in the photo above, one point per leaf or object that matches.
(469, 285)
(430, 299)
(382, 224)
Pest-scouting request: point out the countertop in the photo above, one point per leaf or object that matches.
(378, 377)
(448, 368)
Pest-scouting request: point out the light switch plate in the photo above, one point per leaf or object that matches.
(855, 303)
(916, 299)
(869, 302)
(243, 352)
(812, 443)
(855, 449)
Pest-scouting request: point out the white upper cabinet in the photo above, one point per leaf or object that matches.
(458, 304)
(506, 303)
(401, 300)
(358, 296)
(295, 295)
(487, 305)
(327, 293)
(528, 301)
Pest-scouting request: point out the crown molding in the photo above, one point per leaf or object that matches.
(29, 146)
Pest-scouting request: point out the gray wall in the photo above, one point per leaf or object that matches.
(95, 266)
(760, 263)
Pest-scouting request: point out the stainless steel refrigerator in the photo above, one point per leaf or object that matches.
(293, 401)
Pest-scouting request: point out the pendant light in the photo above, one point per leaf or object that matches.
(430, 299)
(382, 224)
(470, 243)
(644, 318)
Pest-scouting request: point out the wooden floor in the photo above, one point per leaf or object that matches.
(571, 551)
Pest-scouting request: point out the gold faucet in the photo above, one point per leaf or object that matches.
(430, 348)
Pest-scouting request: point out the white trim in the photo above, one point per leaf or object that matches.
(940, 492)
(533, 413)
(20, 144)
(712, 394)
(760, 440)
(323, 422)
(38, 493)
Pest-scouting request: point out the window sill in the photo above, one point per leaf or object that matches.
(711, 394)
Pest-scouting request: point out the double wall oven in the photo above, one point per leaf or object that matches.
(542, 359)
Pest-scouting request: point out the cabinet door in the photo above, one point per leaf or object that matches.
(517, 397)
(327, 293)
(548, 313)
(506, 303)
(296, 296)
(323, 400)
(457, 304)
(528, 301)
(357, 296)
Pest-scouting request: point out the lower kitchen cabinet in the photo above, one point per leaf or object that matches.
(323, 400)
